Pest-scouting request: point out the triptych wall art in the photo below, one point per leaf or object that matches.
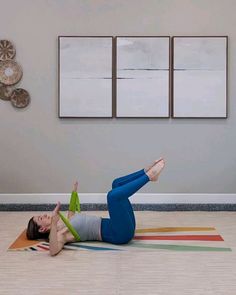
(143, 77)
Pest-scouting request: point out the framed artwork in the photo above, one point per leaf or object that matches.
(142, 76)
(199, 76)
(85, 76)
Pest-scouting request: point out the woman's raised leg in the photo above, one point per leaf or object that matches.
(130, 177)
(127, 178)
(124, 180)
(120, 228)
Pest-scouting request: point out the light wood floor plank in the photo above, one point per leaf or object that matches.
(159, 272)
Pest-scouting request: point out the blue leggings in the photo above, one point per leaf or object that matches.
(120, 227)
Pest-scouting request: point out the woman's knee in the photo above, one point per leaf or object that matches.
(115, 183)
(113, 194)
(109, 195)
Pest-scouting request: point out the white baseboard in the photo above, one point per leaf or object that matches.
(100, 198)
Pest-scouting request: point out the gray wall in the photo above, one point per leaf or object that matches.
(41, 153)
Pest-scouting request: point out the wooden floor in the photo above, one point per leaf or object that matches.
(159, 272)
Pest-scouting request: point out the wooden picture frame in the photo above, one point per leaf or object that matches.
(200, 76)
(142, 72)
(85, 74)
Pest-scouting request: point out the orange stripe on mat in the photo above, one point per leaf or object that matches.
(182, 237)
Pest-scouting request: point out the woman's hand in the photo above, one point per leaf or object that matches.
(55, 215)
(75, 186)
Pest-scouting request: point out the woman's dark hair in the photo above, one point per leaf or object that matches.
(33, 233)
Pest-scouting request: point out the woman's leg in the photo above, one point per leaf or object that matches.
(119, 229)
(123, 180)
(130, 177)
(127, 178)
(129, 208)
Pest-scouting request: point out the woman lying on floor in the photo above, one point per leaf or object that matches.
(118, 229)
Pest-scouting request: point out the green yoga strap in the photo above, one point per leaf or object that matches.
(74, 206)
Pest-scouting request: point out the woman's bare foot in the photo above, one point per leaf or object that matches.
(149, 167)
(154, 172)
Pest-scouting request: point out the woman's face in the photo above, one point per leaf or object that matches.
(43, 220)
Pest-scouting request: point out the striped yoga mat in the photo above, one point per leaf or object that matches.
(146, 239)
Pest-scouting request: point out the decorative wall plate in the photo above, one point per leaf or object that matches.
(10, 72)
(7, 50)
(5, 92)
(20, 98)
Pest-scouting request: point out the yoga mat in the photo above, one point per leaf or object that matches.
(145, 239)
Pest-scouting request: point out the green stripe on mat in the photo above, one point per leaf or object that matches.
(181, 248)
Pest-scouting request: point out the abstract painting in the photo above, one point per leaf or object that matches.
(85, 76)
(199, 77)
(142, 76)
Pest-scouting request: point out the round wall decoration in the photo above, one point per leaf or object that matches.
(7, 50)
(20, 98)
(5, 92)
(10, 72)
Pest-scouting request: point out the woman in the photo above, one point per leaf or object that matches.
(118, 229)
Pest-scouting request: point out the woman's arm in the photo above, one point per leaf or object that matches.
(56, 240)
(71, 213)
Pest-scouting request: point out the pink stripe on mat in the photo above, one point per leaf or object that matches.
(42, 247)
